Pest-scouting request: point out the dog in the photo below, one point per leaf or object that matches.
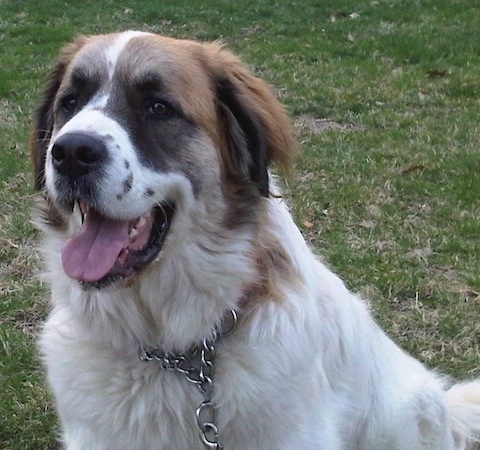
(187, 309)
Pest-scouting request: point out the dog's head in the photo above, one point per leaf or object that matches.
(137, 135)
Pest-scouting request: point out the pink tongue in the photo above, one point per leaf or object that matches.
(92, 253)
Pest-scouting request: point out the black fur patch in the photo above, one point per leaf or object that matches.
(128, 183)
(246, 139)
(43, 124)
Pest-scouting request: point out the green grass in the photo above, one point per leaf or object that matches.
(388, 193)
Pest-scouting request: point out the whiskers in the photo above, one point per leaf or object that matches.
(41, 136)
(163, 216)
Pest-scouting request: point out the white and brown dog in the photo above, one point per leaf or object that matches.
(162, 226)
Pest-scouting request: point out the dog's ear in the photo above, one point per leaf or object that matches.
(245, 153)
(258, 131)
(43, 119)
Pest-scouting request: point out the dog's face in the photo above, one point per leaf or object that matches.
(140, 138)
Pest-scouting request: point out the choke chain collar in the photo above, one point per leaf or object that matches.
(198, 366)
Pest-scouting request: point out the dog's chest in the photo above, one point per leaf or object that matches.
(116, 401)
(127, 404)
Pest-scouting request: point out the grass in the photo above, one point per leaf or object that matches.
(384, 95)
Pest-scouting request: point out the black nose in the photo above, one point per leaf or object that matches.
(78, 154)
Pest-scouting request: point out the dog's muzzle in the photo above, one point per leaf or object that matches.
(107, 247)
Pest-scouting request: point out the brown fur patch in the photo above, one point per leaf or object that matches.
(181, 66)
(275, 269)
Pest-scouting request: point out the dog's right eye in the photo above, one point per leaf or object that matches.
(69, 104)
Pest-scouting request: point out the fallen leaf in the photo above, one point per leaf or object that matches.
(435, 73)
(412, 168)
(369, 224)
(338, 15)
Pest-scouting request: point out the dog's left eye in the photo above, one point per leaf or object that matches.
(160, 109)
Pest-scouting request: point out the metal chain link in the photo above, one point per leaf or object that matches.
(198, 366)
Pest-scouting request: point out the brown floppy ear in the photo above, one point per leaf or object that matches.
(43, 118)
(258, 129)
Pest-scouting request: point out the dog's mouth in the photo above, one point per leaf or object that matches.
(108, 250)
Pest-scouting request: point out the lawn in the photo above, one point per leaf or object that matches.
(385, 97)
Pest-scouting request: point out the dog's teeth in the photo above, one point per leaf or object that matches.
(133, 233)
(141, 222)
(84, 207)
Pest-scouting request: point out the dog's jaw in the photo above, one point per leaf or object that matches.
(106, 251)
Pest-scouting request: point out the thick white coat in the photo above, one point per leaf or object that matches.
(308, 369)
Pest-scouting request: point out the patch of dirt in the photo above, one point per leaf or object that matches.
(8, 115)
(314, 125)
